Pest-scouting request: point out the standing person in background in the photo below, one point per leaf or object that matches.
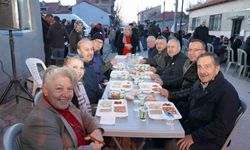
(142, 36)
(126, 42)
(112, 35)
(57, 35)
(46, 22)
(202, 33)
(75, 36)
(136, 34)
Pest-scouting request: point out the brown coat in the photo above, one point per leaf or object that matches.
(44, 129)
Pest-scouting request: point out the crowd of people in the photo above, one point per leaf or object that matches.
(63, 119)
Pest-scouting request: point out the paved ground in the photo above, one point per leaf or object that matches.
(11, 113)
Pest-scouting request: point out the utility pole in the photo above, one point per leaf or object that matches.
(163, 15)
(175, 15)
(181, 14)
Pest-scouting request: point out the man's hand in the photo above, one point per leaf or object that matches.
(158, 80)
(113, 61)
(185, 143)
(154, 76)
(164, 92)
(153, 69)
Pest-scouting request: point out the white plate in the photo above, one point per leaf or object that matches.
(152, 106)
(119, 66)
(114, 103)
(121, 85)
(118, 74)
(148, 86)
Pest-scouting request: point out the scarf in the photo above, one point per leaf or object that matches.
(83, 100)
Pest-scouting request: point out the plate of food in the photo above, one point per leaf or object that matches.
(117, 108)
(118, 74)
(150, 86)
(119, 66)
(162, 110)
(121, 85)
(114, 94)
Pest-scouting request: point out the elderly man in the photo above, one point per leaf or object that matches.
(151, 46)
(180, 96)
(212, 109)
(158, 61)
(172, 76)
(55, 123)
(93, 89)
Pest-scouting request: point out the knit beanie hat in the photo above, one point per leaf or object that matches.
(98, 35)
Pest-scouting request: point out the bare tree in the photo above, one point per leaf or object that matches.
(117, 16)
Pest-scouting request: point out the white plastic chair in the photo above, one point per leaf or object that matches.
(11, 138)
(230, 58)
(210, 48)
(32, 64)
(38, 97)
(240, 112)
(241, 64)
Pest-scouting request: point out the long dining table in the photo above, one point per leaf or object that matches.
(132, 126)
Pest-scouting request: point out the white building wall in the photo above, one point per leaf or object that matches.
(91, 14)
(228, 10)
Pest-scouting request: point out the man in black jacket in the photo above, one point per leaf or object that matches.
(202, 33)
(180, 96)
(172, 75)
(212, 108)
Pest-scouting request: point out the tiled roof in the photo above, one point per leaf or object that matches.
(55, 7)
(168, 15)
(207, 4)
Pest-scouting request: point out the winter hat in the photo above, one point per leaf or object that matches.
(98, 35)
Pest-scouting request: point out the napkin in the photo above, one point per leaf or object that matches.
(107, 120)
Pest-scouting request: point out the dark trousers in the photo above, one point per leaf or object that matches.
(47, 54)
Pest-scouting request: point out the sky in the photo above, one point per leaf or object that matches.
(130, 8)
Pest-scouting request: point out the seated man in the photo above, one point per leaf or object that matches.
(158, 61)
(101, 68)
(172, 75)
(151, 46)
(180, 96)
(212, 109)
(55, 123)
(93, 88)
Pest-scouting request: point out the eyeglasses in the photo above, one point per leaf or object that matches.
(190, 49)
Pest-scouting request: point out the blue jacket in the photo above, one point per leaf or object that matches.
(91, 85)
(98, 67)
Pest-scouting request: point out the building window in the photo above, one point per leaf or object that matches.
(24, 14)
(195, 22)
(215, 22)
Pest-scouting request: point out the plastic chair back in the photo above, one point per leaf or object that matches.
(210, 48)
(38, 97)
(240, 112)
(230, 58)
(241, 61)
(32, 64)
(11, 138)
